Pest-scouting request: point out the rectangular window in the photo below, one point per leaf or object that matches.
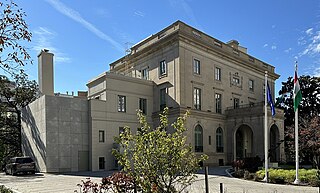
(251, 85)
(235, 80)
(121, 129)
(218, 73)
(236, 102)
(101, 163)
(218, 103)
(196, 66)
(121, 103)
(197, 98)
(143, 105)
(209, 140)
(163, 68)
(145, 74)
(163, 98)
(101, 136)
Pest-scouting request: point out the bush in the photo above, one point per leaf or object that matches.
(281, 176)
(3, 189)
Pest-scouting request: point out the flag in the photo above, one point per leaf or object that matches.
(297, 92)
(270, 101)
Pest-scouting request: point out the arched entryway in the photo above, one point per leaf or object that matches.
(274, 144)
(243, 142)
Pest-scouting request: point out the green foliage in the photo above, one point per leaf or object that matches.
(288, 176)
(158, 161)
(309, 112)
(14, 95)
(3, 189)
(13, 30)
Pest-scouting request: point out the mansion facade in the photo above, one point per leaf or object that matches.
(180, 68)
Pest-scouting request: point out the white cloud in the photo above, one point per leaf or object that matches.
(312, 45)
(273, 26)
(42, 39)
(309, 31)
(288, 50)
(316, 72)
(273, 47)
(139, 13)
(74, 15)
(265, 45)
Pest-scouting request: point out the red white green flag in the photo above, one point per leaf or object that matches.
(297, 92)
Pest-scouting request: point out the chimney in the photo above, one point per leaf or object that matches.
(233, 43)
(45, 72)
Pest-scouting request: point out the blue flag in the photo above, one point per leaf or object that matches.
(270, 101)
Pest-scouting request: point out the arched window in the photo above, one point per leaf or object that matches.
(219, 140)
(198, 139)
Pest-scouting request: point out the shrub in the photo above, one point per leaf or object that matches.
(281, 176)
(3, 189)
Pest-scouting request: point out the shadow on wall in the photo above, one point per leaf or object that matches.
(35, 138)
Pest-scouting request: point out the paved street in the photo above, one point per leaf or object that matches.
(47, 183)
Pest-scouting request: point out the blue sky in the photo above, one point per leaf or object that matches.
(86, 36)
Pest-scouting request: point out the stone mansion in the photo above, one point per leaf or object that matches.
(180, 68)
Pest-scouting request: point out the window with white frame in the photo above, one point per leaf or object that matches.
(121, 103)
(163, 68)
(217, 73)
(101, 136)
(218, 103)
(145, 74)
(196, 66)
(197, 98)
(236, 103)
(251, 85)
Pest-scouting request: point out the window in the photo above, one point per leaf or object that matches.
(101, 136)
(219, 140)
(235, 80)
(101, 163)
(218, 103)
(163, 68)
(198, 139)
(121, 130)
(163, 100)
(236, 102)
(209, 139)
(197, 98)
(121, 103)
(145, 74)
(143, 105)
(218, 74)
(196, 66)
(251, 85)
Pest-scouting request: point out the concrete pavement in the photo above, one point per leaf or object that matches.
(63, 183)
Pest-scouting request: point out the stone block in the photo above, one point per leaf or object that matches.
(75, 116)
(64, 150)
(52, 125)
(52, 114)
(52, 138)
(65, 162)
(84, 117)
(64, 115)
(64, 139)
(64, 127)
(85, 139)
(52, 150)
(76, 139)
(75, 127)
(52, 162)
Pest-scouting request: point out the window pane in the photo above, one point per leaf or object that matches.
(198, 139)
(218, 103)
(145, 74)
(196, 66)
(163, 68)
(101, 136)
(121, 103)
(101, 163)
(219, 140)
(218, 74)
(197, 98)
(143, 105)
(163, 93)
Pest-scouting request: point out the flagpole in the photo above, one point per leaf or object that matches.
(266, 165)
(296, 181)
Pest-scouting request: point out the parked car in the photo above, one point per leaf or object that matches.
(20, 165)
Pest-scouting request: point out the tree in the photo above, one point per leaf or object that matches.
(14, 95)
(13, 30)
(309, 112)
(158, 161)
